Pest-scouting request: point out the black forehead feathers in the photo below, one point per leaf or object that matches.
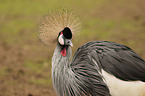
(67, 33)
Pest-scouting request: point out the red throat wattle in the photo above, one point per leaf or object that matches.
(63, 51)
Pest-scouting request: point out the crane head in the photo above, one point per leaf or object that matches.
(64, 39)
(65, 36)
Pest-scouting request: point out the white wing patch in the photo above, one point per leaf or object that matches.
(119, 87)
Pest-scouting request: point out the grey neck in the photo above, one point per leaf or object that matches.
(60, 68)
(57, 57)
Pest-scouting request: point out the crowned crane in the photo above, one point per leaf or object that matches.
(98, 68)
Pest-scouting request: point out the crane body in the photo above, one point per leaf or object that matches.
(85, 74)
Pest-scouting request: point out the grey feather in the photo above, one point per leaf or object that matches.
(117, 59)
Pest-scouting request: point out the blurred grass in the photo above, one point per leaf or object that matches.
(25, 63)
(3, 72)
(39, 68)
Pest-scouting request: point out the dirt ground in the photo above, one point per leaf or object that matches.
(19, 78)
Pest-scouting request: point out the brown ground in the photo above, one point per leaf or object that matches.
(20, 78)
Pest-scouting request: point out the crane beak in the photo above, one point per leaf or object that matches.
(70, 43)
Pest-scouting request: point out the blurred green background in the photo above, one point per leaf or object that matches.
(25, 63)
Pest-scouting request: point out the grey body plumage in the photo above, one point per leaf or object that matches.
(116, 59)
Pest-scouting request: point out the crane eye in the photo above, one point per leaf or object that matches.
(61, 39)
(68, 42)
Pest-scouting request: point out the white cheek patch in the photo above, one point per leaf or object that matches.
(60, 39)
